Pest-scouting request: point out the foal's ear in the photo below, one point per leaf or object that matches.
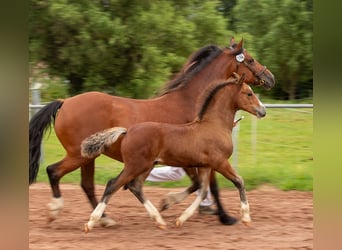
(242, 79)
(239, 80)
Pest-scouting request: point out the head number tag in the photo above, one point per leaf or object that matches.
(240, 57)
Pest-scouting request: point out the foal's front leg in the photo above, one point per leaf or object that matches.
(177, 197)
(203, 176)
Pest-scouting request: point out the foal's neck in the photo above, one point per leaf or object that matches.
(222, 108)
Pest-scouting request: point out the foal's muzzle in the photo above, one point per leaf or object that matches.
(261, 111)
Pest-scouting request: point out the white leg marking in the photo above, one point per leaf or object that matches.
(107, 222)
(95, 215)
(245, 216)
(54, 207)
(153, 212)
(189, 211)
(174, 197)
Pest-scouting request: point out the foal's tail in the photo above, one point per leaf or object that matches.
(39, 123)
(95, 144)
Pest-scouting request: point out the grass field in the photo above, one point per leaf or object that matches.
(279, 153)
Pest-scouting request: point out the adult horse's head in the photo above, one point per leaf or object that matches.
(245, 64)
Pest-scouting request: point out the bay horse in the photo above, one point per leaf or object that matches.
(204, 143)
(78, 117)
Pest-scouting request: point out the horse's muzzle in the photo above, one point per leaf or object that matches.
(261, 112)
(267, 80)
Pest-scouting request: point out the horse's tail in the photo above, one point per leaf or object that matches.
(39, 123)
(95, 144)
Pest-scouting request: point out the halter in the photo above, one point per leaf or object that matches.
(240, 58)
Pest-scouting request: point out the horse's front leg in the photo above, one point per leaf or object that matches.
(135, 186)
(227, 171)
(203, 177)
(224, 217)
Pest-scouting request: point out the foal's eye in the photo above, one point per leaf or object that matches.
(249, 94)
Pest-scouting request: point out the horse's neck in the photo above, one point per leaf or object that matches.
(215, 70)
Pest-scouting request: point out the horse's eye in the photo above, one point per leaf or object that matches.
(249, 94)
(251, 60)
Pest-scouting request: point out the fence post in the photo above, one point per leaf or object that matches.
(235, 135)
(35, 94)
(36, 100)
(254, 136)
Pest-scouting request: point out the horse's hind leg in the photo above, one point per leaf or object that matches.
(56, 204)
(87, 184)
(224, 217)
(135, 186)
(55, 172)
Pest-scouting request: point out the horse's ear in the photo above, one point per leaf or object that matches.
(232, 42)
(239, 46)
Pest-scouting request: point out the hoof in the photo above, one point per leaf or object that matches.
(52, 215)
(228, 220)
(107, 222)
(49, 219)
(247, 223)
(86, 228)
(162, 227)
(178, 223)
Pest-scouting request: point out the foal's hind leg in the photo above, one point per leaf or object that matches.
(113, 186)
(87, 184)
(135, 186)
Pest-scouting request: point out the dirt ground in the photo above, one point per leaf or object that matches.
(281, 220)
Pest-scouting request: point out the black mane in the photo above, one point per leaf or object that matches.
(208, 95)
(197, 61)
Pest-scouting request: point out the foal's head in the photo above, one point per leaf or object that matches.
(246, 98)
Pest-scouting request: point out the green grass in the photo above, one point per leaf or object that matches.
(282, 155)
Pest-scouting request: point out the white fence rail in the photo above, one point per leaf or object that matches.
(269, 105)
(33, 108)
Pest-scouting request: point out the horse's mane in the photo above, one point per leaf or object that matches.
(196, 62)
(208, 95)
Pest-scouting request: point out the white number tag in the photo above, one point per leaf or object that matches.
(240, 57)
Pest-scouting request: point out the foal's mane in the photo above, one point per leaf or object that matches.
(209, 94)
(196, 62)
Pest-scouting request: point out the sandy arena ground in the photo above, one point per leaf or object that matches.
(281, 220)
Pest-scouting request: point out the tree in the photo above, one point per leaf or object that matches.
(121, 47)
(282, 37)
